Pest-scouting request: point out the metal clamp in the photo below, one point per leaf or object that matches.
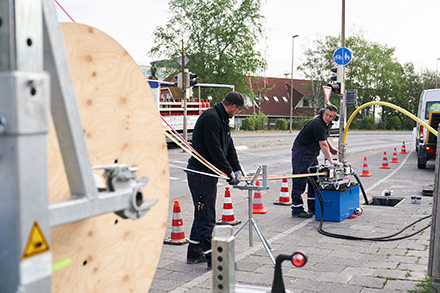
(121, 176)
(123, 197)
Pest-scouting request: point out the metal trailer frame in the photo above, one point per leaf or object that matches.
(31, 42)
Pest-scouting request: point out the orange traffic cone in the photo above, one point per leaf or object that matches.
(228, 217)
(257, 205)
(403, 151)
(365, 172)
(385, 161)
(394, 159)
(177, 233)
(284, 198)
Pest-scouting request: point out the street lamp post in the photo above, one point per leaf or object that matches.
(291, 84)
(436, 75)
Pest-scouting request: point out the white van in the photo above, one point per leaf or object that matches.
(426, 143)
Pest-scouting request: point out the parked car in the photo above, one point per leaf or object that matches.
(428, 112)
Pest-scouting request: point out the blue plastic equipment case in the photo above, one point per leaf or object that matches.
(338, 204)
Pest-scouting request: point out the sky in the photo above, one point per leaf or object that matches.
(412, 27)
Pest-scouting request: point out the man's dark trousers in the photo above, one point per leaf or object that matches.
(204, 193)
(303, 157)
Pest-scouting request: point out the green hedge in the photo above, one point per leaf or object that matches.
(298, 123)
(281, 124)
(255, 122)
(367, 123)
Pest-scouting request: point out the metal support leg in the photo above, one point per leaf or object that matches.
(263, 240)
(251, 188)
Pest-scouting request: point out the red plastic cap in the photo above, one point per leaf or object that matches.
(299, 259)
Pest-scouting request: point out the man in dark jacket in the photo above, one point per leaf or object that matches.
(312, 138)
(212, 140)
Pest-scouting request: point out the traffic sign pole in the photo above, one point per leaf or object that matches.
(342, 113)
(342, 57)
(342, 108)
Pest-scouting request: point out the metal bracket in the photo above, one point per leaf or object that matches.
(124, 197)
(120, 177)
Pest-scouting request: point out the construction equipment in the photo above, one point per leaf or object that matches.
(48, 180)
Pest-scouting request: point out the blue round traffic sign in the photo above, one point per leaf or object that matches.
(342, 56)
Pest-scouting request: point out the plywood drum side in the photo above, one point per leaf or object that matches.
(121, 122)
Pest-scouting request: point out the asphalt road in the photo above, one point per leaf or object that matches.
(273, 150)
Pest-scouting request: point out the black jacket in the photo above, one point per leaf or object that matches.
(212, 140)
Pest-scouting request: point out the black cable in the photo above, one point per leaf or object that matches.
(349, 237)
(362, 188)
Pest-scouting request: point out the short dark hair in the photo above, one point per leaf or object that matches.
(332, 108)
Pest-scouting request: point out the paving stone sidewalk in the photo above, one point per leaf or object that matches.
(334, 265)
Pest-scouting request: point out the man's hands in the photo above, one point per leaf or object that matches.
(238, 174)
(333, 151)
(235, 178)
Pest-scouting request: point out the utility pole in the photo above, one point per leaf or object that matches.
(436, 74)
(342, 95)
(185, 127)
(291, 86)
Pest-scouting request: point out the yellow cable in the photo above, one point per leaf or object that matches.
(192, 154)
(186, 144)
(277, 177)
(174, 133)
(432, 130)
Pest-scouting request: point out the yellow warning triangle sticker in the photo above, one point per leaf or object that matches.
(36, 243)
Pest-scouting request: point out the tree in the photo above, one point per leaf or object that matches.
(317, 66)
(220, 40)
(416, 83)
(376, 74)
(153, 71)
(373, 71)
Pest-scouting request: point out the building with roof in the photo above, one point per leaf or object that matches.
(273, 99)
(271, 96)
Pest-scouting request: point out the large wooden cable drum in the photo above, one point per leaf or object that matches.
(121, 124)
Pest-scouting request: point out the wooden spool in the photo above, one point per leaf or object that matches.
(121, 122)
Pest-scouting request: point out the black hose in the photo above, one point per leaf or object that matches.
(349, 237)
(362, 188)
